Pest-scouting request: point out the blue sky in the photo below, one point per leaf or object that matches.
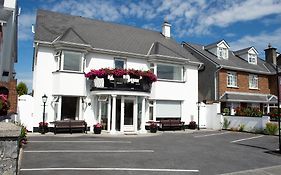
(242, 23)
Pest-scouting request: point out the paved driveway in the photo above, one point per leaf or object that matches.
(204, 152)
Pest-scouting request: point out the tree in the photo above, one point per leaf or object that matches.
(22, 89)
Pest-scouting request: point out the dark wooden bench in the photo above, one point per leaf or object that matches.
(171, 124)
(70, 125)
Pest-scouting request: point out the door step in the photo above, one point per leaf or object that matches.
(130, 133)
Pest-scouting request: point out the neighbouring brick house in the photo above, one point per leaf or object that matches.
(8, 51)
(236, 78)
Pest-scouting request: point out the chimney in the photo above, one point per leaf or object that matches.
(166, 29)
(270, 54)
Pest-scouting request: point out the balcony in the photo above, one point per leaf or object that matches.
(121, 84)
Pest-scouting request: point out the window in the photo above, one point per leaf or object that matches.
(150, 110)
(231, 79)
(72, 61)
(253, 81)
(170, 72)
(252, 58)
(222, 53)
(168, 109)
(119, 63)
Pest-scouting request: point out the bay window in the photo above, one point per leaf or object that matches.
(72, 61)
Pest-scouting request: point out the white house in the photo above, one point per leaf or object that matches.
(8, 50)
(67, 47)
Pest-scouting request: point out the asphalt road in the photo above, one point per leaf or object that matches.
(177, 153)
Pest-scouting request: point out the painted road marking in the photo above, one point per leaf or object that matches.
(90, 151)
(76, 141)
(207, 135)
(249, 138)
(107, 169)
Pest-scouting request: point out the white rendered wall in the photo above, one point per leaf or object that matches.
(25, 112)
(10, 3)
(187, 92)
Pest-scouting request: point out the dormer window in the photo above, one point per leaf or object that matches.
(222, 53)
(252, 58)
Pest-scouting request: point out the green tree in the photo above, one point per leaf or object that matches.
(22, 89)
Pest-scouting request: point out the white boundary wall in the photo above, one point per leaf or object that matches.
(251, 123)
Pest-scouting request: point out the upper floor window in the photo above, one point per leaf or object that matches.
(231, 79)
(222, 53)
(253, 81)
(170, 72)
(252, 58)
(119, 63)
(72, 61)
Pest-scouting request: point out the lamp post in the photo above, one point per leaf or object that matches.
(278, 104)
(198, 108)
(44, 99)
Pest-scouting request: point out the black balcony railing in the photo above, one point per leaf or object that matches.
(121, 84)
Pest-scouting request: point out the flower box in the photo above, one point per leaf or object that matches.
(97, 128)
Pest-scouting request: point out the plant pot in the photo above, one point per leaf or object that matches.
(97, 130)
(153, 129)
(46, 129)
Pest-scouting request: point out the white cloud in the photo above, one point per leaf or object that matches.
(25, 22)
(260, 42)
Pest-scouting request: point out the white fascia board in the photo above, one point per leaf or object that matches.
(246, 70)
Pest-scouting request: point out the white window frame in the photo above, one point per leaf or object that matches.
(182, 72)
(252, 58)
(233, 81)
(121, 59)
(62, 61)
(253, 81)
(222, 53)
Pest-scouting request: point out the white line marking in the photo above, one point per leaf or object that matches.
(76, 141)
(90, 151)
(234, 141)
(212, 134)
(107, 169)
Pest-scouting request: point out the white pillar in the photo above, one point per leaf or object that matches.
(267, 109)
(154, 110)
(143, 115)
(108, 113)
(113, 129)
(81, 111)
(122, 114)
(59, 108)
(99, 116)
(135, 120)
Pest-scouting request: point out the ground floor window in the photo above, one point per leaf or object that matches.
(69, 107)
(168, 109)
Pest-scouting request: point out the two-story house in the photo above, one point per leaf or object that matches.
(235, 78)
(69, 47)
(8, 50)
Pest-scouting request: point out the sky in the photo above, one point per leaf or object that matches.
(241, 23)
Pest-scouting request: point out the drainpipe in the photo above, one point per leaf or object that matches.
(216, 75)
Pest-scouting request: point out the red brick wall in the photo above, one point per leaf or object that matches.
(13, 96)
(264, 84)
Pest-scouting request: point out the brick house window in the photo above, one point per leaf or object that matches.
(231, 79)
(253, 81)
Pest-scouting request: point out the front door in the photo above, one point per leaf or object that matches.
(128, 115)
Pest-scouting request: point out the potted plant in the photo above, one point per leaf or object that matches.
(97, 128)
(192, 125)
(118, 73)
(135, 74)
(4, 105)
(153, 127)
(43, 127)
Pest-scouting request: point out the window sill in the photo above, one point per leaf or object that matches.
(68, 71)
(173, 81)
(253, 88)
(235, 87)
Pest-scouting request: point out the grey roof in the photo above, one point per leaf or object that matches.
(243, 97)
(234, 62)
(238, 52)
(52, 26)
(215, 44)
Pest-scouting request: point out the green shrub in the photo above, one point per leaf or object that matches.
(226, 111)
(226, 123)
(241, 127)
(271, 128)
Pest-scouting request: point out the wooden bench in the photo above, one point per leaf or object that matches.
(70, 125)
(171, 124)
